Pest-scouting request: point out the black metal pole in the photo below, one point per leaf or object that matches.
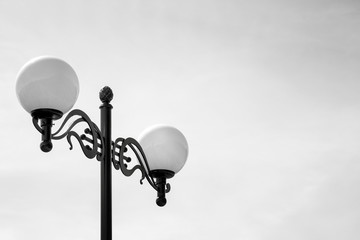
(106, 96)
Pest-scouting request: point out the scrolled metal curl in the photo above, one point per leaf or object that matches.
(142, 165)
(119, 147)
(93, 130)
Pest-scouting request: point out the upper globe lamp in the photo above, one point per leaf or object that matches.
(47, 85)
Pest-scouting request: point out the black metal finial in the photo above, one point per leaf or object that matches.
(106, 94)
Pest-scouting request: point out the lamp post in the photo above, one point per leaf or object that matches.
(48, 87)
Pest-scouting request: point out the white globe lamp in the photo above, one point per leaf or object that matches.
(47, 83)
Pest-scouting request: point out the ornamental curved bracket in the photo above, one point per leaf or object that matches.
(91, 150)
(121, 161)
(91, 143)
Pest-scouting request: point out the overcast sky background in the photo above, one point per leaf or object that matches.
(266, 92)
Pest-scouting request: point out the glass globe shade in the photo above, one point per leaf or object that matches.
(47, 83)
(165, 148)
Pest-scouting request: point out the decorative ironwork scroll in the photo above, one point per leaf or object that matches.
(121, 161)
(91, 145)
(92, 130)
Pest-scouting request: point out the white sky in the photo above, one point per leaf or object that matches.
(266, 93)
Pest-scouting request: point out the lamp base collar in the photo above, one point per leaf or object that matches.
(161, 173)
(46, 113)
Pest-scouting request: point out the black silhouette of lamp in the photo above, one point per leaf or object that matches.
(48, 87)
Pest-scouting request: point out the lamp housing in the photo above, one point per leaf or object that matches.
(166, 149)
(47, 83)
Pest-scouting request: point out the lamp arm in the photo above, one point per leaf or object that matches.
(120, 147)
(92, 130)
(93, 136)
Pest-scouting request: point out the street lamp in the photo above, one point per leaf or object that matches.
(48, 87)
